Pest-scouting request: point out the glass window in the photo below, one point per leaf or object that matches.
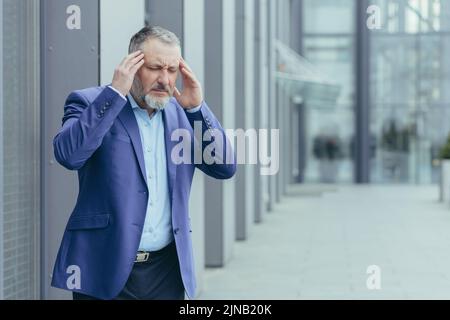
(19, 257)
(410, 75)
(329, 45)
(328, 16)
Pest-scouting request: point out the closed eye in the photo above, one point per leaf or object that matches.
(172, 70)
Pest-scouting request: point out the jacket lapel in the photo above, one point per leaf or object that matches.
(128, 120)
(170, 120)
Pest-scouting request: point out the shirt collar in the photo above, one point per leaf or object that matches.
(133, 102)
(135, 106)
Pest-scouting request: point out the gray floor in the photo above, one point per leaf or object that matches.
(319, 242)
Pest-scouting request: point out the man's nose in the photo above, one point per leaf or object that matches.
(163, 77)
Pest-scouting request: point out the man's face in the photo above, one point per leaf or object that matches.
(155, 81)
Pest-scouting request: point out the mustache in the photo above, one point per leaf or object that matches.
(160, 87)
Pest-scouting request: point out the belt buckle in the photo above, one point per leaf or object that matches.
(142, 256)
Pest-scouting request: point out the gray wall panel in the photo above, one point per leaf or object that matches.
(69, 62)
(1, 150)
(167, 14)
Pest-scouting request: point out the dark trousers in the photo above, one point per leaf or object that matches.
(158, 278)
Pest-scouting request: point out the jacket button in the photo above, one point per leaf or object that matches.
(176, 230)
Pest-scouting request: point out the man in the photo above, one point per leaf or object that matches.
(129, 235)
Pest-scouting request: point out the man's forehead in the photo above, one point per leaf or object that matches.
(157, 52)
(173, 61)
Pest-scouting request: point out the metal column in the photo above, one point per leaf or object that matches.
(1, 150)
(240, 88)
(272, 105)
(219, 93)
(362, 108)
(296, 40)
(69, 60)
(257, 70)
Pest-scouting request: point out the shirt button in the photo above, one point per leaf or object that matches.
(150, 176)
(150, 230)
(151, 203)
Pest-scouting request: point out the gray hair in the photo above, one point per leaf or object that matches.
(152, 32)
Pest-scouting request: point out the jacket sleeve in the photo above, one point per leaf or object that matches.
(223, 164)
(84, 125)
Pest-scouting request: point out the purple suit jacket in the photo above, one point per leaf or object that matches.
(100, 138)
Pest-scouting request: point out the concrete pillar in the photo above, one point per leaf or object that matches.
(273, 104)
(194, 54)
(250, 108)
(245, 119)
(260, 102)
(219, 94)
(1, 151)
(298, 133)
(280, 102)
(283, 104)
(264, 93)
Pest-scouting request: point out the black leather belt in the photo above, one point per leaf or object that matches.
(144, 256)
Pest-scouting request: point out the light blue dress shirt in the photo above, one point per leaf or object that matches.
(157, 232)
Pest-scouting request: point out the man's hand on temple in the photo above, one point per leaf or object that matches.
(125, 72)
(191, 96)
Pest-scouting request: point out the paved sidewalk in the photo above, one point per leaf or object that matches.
(319, 241)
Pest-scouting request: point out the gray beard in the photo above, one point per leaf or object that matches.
(150, 102)
(157, 104)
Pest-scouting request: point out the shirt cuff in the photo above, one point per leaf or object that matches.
(192, 110)
(120, 94)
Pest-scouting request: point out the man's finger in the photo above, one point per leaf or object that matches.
(135, 60)
(187, 73)
(136, 67)
(189, 76)
(184, 64)
(176, 92)
(130, 56)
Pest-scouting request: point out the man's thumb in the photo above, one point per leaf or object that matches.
(176, 93)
